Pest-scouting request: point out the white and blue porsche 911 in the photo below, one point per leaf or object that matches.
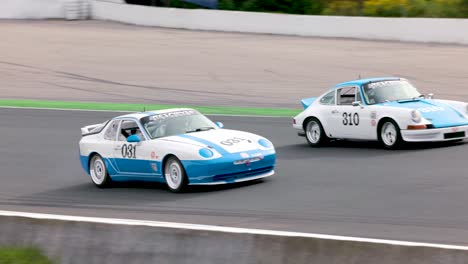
(177, 146)
(389, 110)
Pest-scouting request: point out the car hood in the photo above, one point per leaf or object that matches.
(222, 140)
(438, 113)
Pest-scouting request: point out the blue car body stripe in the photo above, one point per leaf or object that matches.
(218, 148)
(198, 171)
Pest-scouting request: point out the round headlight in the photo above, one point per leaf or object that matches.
(205, 153)
(416, 116)
(265, 143)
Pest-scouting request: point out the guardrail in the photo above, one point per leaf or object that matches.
(396, 29)
(98, 240)
(46, 9)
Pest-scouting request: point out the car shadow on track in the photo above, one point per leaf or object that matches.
(189, 189)
(124, 195)
(347, 148)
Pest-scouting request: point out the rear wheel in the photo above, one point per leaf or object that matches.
(314, 132)
(98, 172)
(175, 175)
(390, 135)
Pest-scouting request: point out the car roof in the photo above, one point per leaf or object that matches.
(360, 82)
(140, 115)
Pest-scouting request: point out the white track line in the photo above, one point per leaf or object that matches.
(114, 221)
(119, 111)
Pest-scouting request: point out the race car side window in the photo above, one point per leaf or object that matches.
(328, 99)
(346, 95)
(111, 131)
(128, 128)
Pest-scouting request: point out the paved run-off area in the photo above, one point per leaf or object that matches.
(104, 61)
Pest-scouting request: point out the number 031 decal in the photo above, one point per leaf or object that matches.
(129, 151)
(350, 119)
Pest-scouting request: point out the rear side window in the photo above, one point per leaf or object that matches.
(111, 130)
(328, 99)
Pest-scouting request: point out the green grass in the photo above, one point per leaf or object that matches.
(221, 110)
(17, 255)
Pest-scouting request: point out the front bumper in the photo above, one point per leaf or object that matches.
(224, 170)
(435, 134)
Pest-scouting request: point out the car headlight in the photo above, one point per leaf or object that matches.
(265, 143)
(416, 116)
(205, 153)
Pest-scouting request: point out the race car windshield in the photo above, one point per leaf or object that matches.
(176, 123)
(386, 91)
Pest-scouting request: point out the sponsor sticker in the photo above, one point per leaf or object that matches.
(172, 114)
(431, 109)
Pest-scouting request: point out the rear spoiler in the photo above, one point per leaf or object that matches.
(92, 129)
(306, 102)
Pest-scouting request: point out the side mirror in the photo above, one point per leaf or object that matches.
(430, 96)
(356, 103)
(219, 124)
(133, 139)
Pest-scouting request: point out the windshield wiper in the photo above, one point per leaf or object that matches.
(200, 129)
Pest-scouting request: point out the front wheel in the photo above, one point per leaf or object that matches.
(175, 175)
(390, 135)
(98, 172)
(315, 134)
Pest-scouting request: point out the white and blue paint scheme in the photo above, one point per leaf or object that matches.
(388, 109)
(177, 146)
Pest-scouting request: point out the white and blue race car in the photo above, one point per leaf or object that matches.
(389, 110)
(178, 147)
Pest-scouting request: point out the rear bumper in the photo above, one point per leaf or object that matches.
(435, 134)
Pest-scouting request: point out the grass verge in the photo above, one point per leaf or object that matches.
(220, 110)
(20, 255)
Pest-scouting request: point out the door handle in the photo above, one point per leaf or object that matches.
(334, 112)
(118, 147)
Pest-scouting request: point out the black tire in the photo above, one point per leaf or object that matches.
(174, 174)
(98, 172)
(314, 133)
(389, 135)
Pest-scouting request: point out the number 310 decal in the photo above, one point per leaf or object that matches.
(350, 119)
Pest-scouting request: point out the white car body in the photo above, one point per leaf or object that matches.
(417, 120)
(236, 156)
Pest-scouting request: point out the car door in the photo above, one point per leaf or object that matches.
(133, 158)
(349, 118)
(338, 114)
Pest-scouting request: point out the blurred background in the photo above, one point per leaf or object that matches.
(384, 8)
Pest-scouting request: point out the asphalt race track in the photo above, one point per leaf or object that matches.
(347, 188)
